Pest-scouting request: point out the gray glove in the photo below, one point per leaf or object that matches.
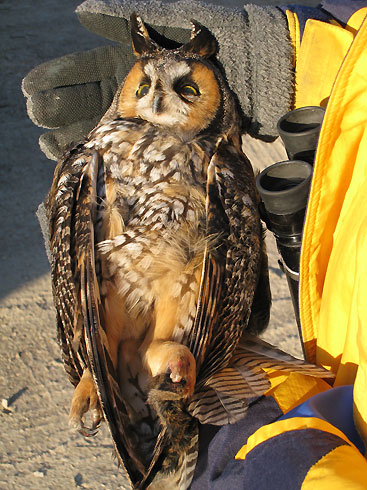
(71, 94)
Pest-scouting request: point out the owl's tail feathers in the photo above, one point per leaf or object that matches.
(179, 435)
(269, 357)
(224, 397)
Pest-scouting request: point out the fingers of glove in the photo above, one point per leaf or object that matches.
(118, 29)
(66, 105)
(108, 26)
(55, 143)
(156, 13)
(78, 68)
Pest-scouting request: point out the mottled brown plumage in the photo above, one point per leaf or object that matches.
(157, 255)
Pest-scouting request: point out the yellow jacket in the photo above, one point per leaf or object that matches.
(331, 70)
(333, 286)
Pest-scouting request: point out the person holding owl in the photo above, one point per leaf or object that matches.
(302, 433)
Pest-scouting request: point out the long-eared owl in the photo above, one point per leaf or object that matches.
(158, 264)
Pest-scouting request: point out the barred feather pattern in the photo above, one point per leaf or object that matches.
(65, 287)
(233, 179)
(227, 394)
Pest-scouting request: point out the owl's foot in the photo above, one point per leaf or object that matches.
(173, 366)
(85, 398)
(168, 400)
(162, 388)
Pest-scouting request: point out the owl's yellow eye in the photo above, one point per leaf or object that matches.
(189, 91)
(142, 90)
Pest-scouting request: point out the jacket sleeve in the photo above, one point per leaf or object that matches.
(314, 445)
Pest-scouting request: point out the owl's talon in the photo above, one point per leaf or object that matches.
(78, 426)
(85, 399)
(77, 423)
(96, 417)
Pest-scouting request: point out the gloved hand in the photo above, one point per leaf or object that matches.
(70, 94)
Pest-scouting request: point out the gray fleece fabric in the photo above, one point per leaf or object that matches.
(254, 47)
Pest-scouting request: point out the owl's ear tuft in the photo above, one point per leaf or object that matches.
(141, 41)
(202, 42)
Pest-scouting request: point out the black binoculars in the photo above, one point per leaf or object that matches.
(284, 189)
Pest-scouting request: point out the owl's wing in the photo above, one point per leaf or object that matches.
(212, 274)
(231, 274)
(227, 394)
(234, 366)
(59, 205)
(71, 207)
(231, 268)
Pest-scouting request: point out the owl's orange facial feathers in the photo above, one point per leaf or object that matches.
(207, 104)
(179, 94)
(128, 100)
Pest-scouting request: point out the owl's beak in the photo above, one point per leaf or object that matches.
(156, 103)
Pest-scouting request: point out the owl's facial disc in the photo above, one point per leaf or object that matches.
(161, 105)
(178, 94)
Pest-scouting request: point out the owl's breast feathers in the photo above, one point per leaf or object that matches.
(151, 219)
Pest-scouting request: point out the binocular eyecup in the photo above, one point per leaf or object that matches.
(299, 130)
(284, 189)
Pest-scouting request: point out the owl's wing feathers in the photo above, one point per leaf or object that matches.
(72, 212)
(236, 191)
(231, 268)
(99, 359)
(224, 400)
(264, 355)
(231, 374)
(227, 394)
(213, 273)
(65, 287)
(230, 276)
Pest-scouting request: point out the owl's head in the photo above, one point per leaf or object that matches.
(179, 89)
